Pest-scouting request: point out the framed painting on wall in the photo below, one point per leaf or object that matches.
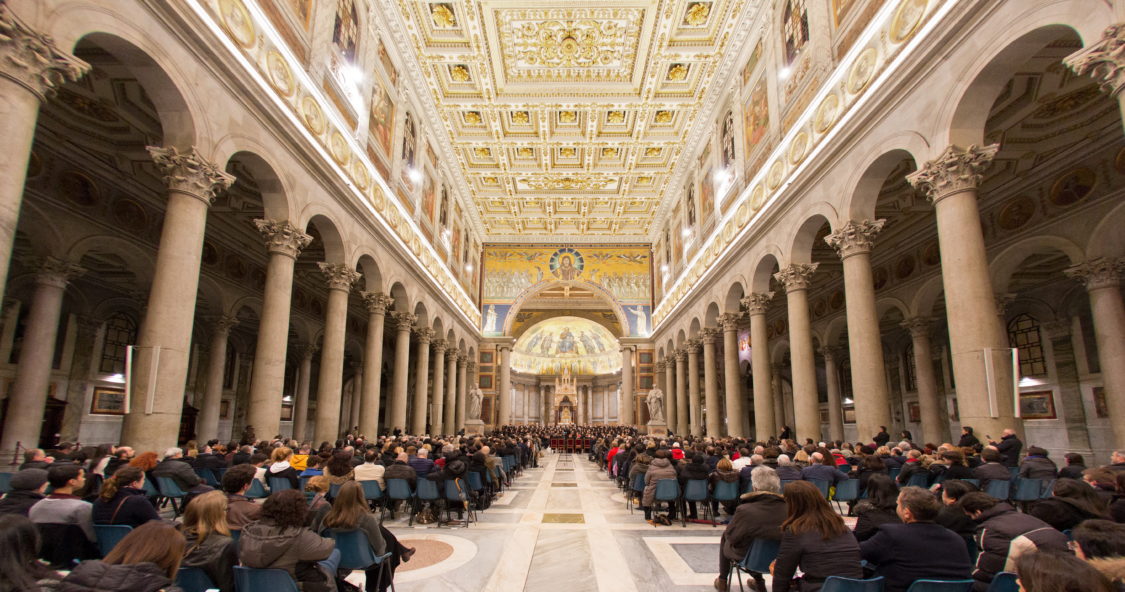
(914, 412)
(286, 413)
(849, 414)
(108, 401)
(485, 357)
(486, 381)
(224, 409)
(1038, 405)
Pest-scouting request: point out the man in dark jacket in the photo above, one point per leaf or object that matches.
(882, 437)
(759, 516)
(28, 486)
(1009, 447)
(917, 548)
(991, 469)
(400, 470)
(817, 470)
(1036, 465)
(968, 440)
(178, 470)
(1004, 535)
(209, 460)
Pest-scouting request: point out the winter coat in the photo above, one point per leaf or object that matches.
(871, 517)
(400, 470)
(954, 471)
(729, 476)
(639, 466)
(216, 556)
(865, 474)
(692, 472)
(823, 473)
(1038, 467)
(837, 556)
(991, 471)
(1009, 447)
(759, 516)
(263, 544)
(179, 471)
(1003, 535)
(907, 552)
(96, 576)
(660, 468)
(1062, 513)
(1072, 472)
(283, 470)
(789, 473)
(968, 441)
(19, 502)
(241, 511)
(956, 520)
(130, 506)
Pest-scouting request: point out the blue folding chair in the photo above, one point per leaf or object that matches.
(1004, 581)
(334, 489)
(208, 477)
(822, 485)
(635, 490)
(475, 481)
(846, 491)
(426, 491)
(5, 482)
(355, 552)
(1015, 471)
(279, 484)
(838, 584)
(235, 535)
(999, 489)
(456, 492)
(194, 579)
(725, 491)
(919, 480)
(1048, 489)
(975, 482)
(758, 558)
(108, 535)
(373, 493)
(668, 490)
(257, 490)
(893, 472)
(696, 490)
(249, 579)
(171, 490)
(151, 490)
(941, 586)
(1027, 490)
(399, 490)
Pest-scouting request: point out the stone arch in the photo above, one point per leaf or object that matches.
(922, 304)
(1005, 263)
(711, 316)
(111, 306)
(301, 329)
(401, 296)
(886, 303)
(422, 313)
(531, 291)
(213, 295)
(694, 328)
(438, 327)
(801, 247)
(778, 348)
(141, 262)
(764, 270)
(330, 236)
(372, 275)
(1107, 240)
(251, 302)
(270, 185)
(43, 236)
(681, 339)
(865, 192)
(732, 302)
(834, 331)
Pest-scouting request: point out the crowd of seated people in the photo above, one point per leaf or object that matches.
(921, 511)
(239, 520)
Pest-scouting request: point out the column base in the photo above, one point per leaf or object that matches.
(474, 427)
(657, 428)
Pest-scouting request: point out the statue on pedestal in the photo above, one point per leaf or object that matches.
(655, 402)
(475, 400)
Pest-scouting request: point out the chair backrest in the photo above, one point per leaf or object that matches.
(1048, 489)
(249, 579)
(61, 545)
(475, 482)
(1004, 581)
(726, 491)
(427, 490)
(894, 471)
(256, 490)
(169, 488)
(695, 490)
(838, 584)
(208, 477)
(455, 490)
(399, 489)
(5, 482)
(760, 555)
(371, 490)
(638, 482)
(334, 489)
(109, 535)
(941, 586)
(998, 488)
(975, 482)
(1026, 489)
(355, 549)
(822, 485)
(667, 489)
(194, 579)
(279, 484)
(150, 489)
(919, 479)
(847, 490)
(1015, 471)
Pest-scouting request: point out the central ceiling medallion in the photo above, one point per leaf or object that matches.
(574, 44)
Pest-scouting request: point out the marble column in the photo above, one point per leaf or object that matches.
(1069, 384)
(835, 401)
(625, 405)
(504, 395)
(160, 360)
(670, 391)
(32, 67)
(1102, 278)
(301, 401)
(404, 324)
(284, 243)
(766, 423)
(377, 304)
(732, 379)
(806, 406)
(419, 406)
(437, 397)
(357, 396)
(784, 416)
(465, 368)
(340, 279)
(207, 425)
(449, 416)
(853, 243)
(930, 409)
(695, 405)
(977, 337)
(88, 347)
(28, 396)
(714, 416)
(682, 415)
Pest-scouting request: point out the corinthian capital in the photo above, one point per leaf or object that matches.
(225, 323)
(282, 237)
(918, 326)
(32, 60)
(425, 334)
(729, 321)
(56, 272)
(855, 238)
(757, 303)
(190, 173)
(708, 335)
(681, 354)
(338, 275)
(796, 276)
(439, 346)
(1100, 272)
(308, 350)
(692, 346)
(377, 303)
(1103, 60)
(404, 320)
(957, 169)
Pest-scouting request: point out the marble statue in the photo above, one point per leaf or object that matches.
(475, 399)
(655, 402)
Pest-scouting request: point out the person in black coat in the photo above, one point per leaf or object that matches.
(951, 466)
(1075, 464)
(815, 539)
(878, 508)
(1006, 534)
(968, 439)
(991, 469)
(882, 437)
(694, 470)
(1072, 503)
(123, 500)
(952, 517)
(758, 516)
(1009, 448)
(27, 488)
(917, 548)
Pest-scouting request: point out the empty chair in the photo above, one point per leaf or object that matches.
(1004, 581)
(838, 584)
(846, 491)
(758, 558)
(249, 579)
(109, 535)
(941, 586)
(194, 579)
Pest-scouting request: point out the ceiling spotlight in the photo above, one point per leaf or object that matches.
(687, 232)
(352, 75)
(414, 174)
(469, 267)
(722, 175)
(664, 268)
(784, 73)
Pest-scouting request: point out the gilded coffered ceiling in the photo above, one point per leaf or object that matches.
(567, 119)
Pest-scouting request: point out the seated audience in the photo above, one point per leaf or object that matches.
(20, 568)
(318, 503)
(177, 468)
(339, 468)
(992, 468)
(786, 471)
(27, 488)
(917, 548)
(870, 465)
(400, 470)
(421, 463)
(281, 469)
(241, 510)
(758, 516)
(814, 539)
(123, 500)
(696, 470)
(951, 515)
(1071, 503)
(350, 512)
(209, 544)
(280, 540)
(1075, 464)
(35, 458)
(823, 468)
(1036, 465)
(314, 466)
(62, 506)
(660, 468)
(1005, 534)
(1102, 544)
(879, 508)
(950, 465)
(146, 560)
(371, 470)
(912, 466)
(121, 457)
(1059, 572)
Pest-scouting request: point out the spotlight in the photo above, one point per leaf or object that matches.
(414, 174)
(784, 73)
(687, 232)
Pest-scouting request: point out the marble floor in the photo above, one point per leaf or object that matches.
(563, 526)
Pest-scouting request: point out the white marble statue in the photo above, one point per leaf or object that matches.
(475, 398)
(655, 402)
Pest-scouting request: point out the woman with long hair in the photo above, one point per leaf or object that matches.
(351, 512)
(20, 568)
(339, 468)
(815, 539)
(280, 540)
(209, 544)
(878, 508)
(280, 467)
(1059, 572)
(123, 499)
(1071, 503)
(146, 560)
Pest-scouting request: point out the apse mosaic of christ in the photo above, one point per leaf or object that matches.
(511, 272)
(584, 346)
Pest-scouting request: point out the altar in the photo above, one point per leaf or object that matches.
(565, 394)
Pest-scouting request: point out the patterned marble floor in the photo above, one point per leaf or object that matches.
(565, 527)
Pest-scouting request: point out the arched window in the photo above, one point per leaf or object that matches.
(120, 333)
(1023, 334)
